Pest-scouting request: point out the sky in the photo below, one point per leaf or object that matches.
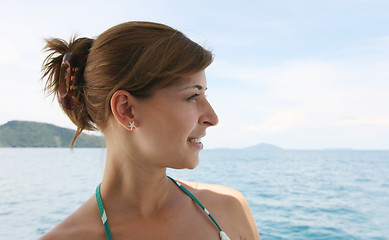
(299, 74)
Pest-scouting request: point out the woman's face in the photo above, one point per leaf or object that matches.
(172, 122)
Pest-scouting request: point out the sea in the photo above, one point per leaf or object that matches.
(293, 194)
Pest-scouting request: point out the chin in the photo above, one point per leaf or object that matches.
(194, 164)
(192, 167)
(187, 164)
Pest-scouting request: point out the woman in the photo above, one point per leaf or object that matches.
(143, 85)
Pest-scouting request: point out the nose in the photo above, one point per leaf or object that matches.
(209, 116)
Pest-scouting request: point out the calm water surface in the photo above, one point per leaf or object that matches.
(292, 194)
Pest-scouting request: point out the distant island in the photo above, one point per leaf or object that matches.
(264, 147)
(35, 134)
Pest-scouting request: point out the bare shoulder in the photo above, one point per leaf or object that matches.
(219, 193)
(228, 206)
(226, 196)
(82, 224)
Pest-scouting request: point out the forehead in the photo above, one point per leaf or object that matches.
(197, 79)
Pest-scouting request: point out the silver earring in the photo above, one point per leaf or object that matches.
(131, 125)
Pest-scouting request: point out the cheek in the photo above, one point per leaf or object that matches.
(173, 121)
(187, 120)
(179, 115)
(180, 125)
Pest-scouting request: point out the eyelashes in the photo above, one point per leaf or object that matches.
(193, 97)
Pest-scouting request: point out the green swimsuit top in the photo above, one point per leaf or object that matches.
(103, 214)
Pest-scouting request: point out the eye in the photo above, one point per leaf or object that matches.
(193, 97)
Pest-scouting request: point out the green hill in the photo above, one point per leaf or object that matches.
(33, 134)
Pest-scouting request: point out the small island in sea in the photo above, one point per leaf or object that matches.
(264, 147)
(35, 134)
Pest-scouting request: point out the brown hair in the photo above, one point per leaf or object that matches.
(139, 57)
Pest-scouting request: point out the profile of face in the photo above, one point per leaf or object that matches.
(172, 122)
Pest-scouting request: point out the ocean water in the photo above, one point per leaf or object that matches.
(292, 194)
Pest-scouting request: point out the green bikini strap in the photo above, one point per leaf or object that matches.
(197, 201)
(103, 214)
(104, 219)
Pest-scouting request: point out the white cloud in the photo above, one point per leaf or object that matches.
(307, 97)
(281, 122)
(9, 53)
(379, 122)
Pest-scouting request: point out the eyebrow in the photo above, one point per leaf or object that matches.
(199, 87)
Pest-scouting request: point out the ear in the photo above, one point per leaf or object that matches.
(122, 104)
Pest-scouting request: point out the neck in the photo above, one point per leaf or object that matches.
(132, 188)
